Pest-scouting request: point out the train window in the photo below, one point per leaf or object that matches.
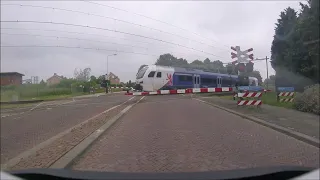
(206, 80)
(159, 74)
(185, 78)
(142, 71)
(151, 74)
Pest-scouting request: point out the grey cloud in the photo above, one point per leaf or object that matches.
(248, 24)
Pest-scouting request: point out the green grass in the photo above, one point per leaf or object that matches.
(269, 98)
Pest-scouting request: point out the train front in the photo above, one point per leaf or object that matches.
(140, 78)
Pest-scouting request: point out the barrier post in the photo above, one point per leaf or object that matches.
(287, 93)
(249, 92)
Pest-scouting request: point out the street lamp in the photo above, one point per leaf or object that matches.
(106, 77)
(108, 62)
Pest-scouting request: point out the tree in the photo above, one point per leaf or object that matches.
(82, 75)
(291, 53)
(270, 80)
(100, 79)
(42, 82)
(93, 79)
(66, 83)
(255, 74)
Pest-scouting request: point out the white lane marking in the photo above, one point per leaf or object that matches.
(36, 106)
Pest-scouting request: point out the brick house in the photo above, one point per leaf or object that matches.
(10, 78)
(113, 78)
(55, 79)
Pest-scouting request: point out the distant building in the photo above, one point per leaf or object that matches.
(113, 78)
(10, 78)
(55, 79)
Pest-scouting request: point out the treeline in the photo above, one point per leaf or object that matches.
(215, 66)
(295, 48)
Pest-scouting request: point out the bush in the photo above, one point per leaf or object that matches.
(308, 101)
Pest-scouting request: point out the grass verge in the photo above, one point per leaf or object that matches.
(269, 98)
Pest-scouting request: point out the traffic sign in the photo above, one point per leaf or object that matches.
(242, 56)
(285, 89)
(250, 88)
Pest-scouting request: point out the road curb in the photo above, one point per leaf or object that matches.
(299, 136)
(14, 161)
(25, 154)
(66, 160)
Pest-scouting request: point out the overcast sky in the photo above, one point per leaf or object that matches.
(210, 26)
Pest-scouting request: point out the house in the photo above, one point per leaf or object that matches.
(10, 78)
(55, 79)
(113, 78)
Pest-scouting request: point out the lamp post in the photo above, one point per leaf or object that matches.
(108, 62)
(108, 71)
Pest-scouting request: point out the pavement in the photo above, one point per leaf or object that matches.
(23, 129)
(305, 123)
(175, 133)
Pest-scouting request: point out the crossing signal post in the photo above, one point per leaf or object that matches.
(242, 64)
(243, 60)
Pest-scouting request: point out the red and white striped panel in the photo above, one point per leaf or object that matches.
(249, 102)
(286, 94)
(182, 91)
(287, 100)
(250, 94)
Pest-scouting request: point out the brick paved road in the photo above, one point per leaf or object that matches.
(22, 132)
(176, 133)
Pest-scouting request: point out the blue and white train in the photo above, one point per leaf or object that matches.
(154, 77)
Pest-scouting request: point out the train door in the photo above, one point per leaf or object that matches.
(219, 81)
(196, 81)
(149, 81)
(158, 80)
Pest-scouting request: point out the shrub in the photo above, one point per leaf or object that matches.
(308, 101)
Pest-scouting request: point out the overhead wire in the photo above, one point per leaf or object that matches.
(119, 20)
(105, 29)
(80, 39)
(82, 33)
(72, 32)
(75, 32)
(163, 22)
(72, 47)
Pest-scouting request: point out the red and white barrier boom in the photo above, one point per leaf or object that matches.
(183, 91)
(287, 92)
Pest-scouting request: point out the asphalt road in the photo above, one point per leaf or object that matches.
(176, 133)
(20, 132)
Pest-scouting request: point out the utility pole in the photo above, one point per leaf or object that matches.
(267, 71)
(266, 59)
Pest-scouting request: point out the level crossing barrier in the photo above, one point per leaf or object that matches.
(287, 94)
(182, 91)
(249, 92)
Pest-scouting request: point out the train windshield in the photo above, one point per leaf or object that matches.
(142, 72)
